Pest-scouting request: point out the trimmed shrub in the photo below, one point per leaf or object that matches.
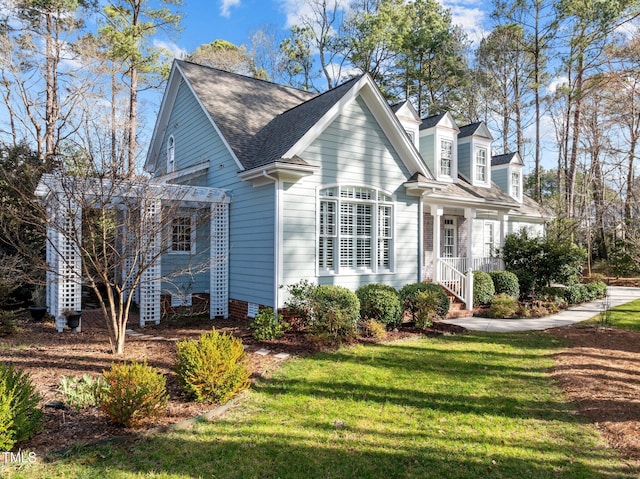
(265, 325)
(20, 417)
(409, 297)
(380, 302)
(483, 290)
(336, 311)
(596, 290)
(133, 393)
(505, 282)
(82, 392)
(213, 367)
(503, 306)
(373, 328)
(552, 293)
(574, 294)
(429, 305)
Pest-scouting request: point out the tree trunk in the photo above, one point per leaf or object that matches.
(133, 111)
(570, 176)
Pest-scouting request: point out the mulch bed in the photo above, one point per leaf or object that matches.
(601, 374)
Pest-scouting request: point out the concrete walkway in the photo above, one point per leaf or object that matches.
(617, 295)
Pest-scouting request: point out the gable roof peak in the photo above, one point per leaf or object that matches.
(478, 128)
(506, 158)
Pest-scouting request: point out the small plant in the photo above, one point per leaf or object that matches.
(505, 282)
(380, 302)
(604, 316)
(8, 324)
(38, 296)
(266, 326)
(428, 306)
(483, 290)
(503, 306)
(133, 393)
(81, 392)
(373, 328)
(409, 297)
(213, 367)
(20, 417)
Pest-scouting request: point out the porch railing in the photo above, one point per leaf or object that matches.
(486, 264)
(456, 282)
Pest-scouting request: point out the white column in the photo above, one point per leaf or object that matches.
(436, 212)
(469, 215)
(219, 261)
(150, 282)
(504, 227)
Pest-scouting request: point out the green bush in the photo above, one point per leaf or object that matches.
(336, 311)
(596, 289)
(505, 282)
(538, 262)
(212, 368)
(409, 297)
(503, 306)
(20, 417)
(373, 328)
(266, 326)
(483, 290)
(8, 324)
(133, 393)
(82, 392)
(552, 293)
(581, 293)
(380, 302)
(575, 294)
(429, 305)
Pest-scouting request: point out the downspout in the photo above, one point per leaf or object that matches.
(276, 243)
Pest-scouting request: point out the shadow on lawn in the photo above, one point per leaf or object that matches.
(277, 434)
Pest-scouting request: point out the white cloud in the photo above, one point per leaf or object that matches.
(555, 83)
(469, 15)
(174, 50)
(296, 10)
(225, 7)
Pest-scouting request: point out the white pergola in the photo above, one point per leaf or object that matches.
(63, 197)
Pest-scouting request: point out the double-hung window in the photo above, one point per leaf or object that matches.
(446, 156)
(481, 164)
(355, 230)
(449, 242)
(515, 184)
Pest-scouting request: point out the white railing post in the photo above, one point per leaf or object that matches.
(469, 298)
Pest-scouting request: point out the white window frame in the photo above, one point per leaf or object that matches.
(480, 169)
(192, 233)
(442, 158)
(356, 230)
(490, 243)
(171, 153)
(449, 224)
(516, 184)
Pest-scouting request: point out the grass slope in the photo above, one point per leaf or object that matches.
(470, 406)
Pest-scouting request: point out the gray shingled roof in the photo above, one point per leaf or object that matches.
(503, 159)
(464, 190)
(431, 121)
(286, 129)
(469, 130)
(241, 106)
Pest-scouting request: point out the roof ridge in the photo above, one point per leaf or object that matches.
(261, 80)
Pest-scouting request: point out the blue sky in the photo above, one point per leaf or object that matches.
(233, 20)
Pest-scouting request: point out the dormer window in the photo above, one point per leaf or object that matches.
(481, 164)
(171, 147)
(446, 156)
(515, 185)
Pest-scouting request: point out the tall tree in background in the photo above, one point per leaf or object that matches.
(264, 50)
(297, 59)
(128, 26)
(372, 38)
(431, 68)
(537, 18)
(37, 36)
(506, 65)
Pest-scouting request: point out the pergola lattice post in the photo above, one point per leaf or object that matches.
(219, 267)
(150, 281)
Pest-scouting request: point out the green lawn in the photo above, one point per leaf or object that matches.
(470, 406)
(625, 316)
